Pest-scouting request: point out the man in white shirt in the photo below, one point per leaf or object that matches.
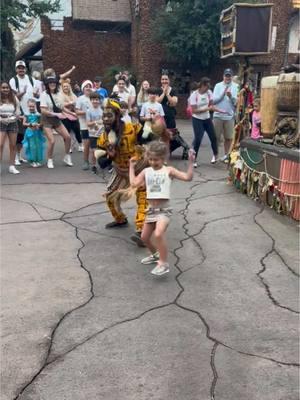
(25, 88)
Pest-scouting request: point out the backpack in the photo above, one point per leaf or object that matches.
(17, 81)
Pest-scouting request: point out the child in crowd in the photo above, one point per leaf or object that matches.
(157, 179)
(151, 109)
(83, 104)
(95, 125)
(34, 140)
(125, 112)
(256, 120)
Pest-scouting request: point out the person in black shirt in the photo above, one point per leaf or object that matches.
(168, 99)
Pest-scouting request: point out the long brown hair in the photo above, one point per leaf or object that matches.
(11, 96)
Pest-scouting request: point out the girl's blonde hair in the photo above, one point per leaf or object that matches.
(66, 97)
(142, 96)
(157, 148)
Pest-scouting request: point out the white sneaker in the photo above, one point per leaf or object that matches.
(38, 164)
(152, 259)
(161, 269)
(224, 158)
(214, 160)
(80, 148)
(68, 160)
(195, 165)
(50, 163)
(23, 160)
(17, 160)
(34, 165)
(13, 170)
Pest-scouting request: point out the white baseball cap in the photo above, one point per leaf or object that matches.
(20, 63)
(87, 82)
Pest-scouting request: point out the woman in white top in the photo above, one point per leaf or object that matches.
(9, 115)
(69, 102)
(157, 179)
(201, 103)
(51, 109)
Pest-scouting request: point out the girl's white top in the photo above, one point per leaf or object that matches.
(9, 109)
(158, 183)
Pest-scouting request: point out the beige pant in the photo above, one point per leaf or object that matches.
(224, 128)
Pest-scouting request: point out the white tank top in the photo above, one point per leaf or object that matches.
(158, 183)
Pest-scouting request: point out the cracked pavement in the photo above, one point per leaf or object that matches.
(82, 319)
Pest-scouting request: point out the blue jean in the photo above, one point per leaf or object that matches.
(200, 126)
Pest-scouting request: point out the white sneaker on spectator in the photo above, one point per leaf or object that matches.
(68, 160)
(214, 160)
(17, 160)
(80, 148)
(34, 165)
(50, 163)
(13, 170)
(195, 165)
(224, 158)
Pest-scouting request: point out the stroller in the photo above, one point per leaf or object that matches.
(176, 141)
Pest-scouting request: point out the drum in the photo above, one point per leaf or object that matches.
(288, 92)
(268, 108)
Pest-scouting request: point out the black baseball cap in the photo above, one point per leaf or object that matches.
(228, 71)
(97, 79)
(51, 79)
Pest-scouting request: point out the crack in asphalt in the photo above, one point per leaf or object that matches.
(274, 250)
(264, 266)
(213, 195)
(64, 218)
(31, 204)
(184, 212)
(92, 295)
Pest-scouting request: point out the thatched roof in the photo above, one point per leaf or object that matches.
(102, 10)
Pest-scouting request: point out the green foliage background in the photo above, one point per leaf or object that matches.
(14, 14)
(190, 30)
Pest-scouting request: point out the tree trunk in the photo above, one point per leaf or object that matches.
(7, 53)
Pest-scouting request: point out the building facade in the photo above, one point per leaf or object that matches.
(97, 34)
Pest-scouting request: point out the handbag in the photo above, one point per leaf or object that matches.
(57, 109)
(189, 109)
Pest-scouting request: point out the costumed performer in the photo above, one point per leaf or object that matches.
(119, 140)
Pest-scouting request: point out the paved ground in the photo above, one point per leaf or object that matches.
(83, 320)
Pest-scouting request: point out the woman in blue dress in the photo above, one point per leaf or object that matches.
(34, 140)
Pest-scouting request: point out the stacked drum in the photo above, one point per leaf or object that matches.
(279, 99)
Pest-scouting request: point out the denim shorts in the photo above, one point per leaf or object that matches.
(12, 127)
